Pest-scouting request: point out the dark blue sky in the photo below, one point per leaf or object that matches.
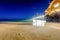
(22, 9)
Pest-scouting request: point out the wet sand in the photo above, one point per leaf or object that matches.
(51, 31)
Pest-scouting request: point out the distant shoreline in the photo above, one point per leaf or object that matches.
(14, 20)
(18, 23)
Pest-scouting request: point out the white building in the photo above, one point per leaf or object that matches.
(39, 21)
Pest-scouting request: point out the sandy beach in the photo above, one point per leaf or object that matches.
(51, 31)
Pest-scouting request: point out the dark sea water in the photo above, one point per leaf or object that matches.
(15, 20)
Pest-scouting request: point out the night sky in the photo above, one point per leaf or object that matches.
(22, 9)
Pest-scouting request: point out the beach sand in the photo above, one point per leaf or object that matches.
(51, 31)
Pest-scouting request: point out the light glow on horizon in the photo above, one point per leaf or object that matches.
(39, 21)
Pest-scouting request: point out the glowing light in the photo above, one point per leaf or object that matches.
(45, 11)
(56, 5)
(39, 21)
(58, 10)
